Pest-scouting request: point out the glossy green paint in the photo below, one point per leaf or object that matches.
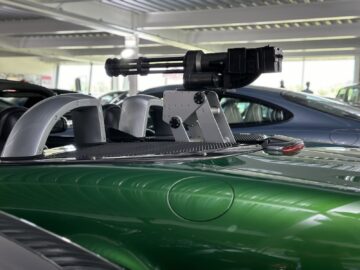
(192, 200)
(245, 212)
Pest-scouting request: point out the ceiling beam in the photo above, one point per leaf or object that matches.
(275, 34)
(12, 54)
(315, 44)
(146, 51)
(99, 59)
(249, 15)
(102, 17)
(92, 52)
(44, 53)
(98, 41)
(64, 42)
(39, 26)
(322, 53)
(168, 50)
(159, 51)
(74, 51)
(89, 40)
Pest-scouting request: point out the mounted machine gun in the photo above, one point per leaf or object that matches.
(194, 113)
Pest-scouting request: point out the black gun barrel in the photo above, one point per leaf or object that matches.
(143, 66)
(235, 68)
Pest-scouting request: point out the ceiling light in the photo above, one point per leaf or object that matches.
(127, 53)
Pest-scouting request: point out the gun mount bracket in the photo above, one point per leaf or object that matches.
(196, 116)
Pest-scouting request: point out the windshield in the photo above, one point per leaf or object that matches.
(19, 98)
(352, 94)
(329, 106)
(4, 104)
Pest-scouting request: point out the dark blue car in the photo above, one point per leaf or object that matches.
(316, 120)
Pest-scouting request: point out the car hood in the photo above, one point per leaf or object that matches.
(335, 168)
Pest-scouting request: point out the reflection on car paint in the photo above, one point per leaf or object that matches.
(280, 218)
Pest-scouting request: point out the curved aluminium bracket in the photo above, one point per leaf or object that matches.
(135, 114)
(29, 135)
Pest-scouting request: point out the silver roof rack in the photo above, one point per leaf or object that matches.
(135, 114)
(29, 135)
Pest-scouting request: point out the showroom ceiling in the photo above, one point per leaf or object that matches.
(8, 13)
(85, 30)
(183, 5)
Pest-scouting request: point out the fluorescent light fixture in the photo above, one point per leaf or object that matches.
(276, 40)
(184, 27)
(127, 53)
(322, 50)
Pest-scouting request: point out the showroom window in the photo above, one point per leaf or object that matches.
(248, 112)
(290, 75)
(100, 82)
(91, 79)
(353, 95)
(342, 94)
(69, 74)
(154, 80)
(326, 76)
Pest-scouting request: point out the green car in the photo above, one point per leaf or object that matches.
(176, 205)
(247, 210)
(143, 200)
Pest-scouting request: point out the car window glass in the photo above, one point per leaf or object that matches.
(4, 105)
(353, 95)
(341, 94)
(14, 101)
(106, 99)
(250, 112)
(329, 106)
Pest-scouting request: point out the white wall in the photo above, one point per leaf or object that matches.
(31, 67)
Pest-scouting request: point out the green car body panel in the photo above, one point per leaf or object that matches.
(250, 211)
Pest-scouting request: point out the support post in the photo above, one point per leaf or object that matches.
(57, 74)
(132, 47)
(357, 69)
(90, 79)
(114, 83)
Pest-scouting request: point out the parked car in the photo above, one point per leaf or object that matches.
(112, 97)
(350, 95)
(158, 205)
(316, 120)
(18, 93)
(17, 97)
(4, 104)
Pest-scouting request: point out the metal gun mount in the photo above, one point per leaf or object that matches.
(195, 113)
